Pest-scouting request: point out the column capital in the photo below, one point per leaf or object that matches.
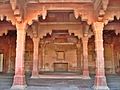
(21, 26)
(36, 39)
(78, 44)
(35, 29)
(85, 39)
(98, 26)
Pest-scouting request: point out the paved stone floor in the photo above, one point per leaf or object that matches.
(59, 84)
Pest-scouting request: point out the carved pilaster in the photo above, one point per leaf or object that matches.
(100, 79)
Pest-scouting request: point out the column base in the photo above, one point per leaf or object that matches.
(86, 74)
(19, 80)
(18, 87)
(100, 83)
(35, 74)
(101, 88)
(86, 77)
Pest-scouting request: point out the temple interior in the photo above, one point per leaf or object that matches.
(80, 37)
(60, 47)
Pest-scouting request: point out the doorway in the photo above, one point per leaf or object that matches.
(1, 62)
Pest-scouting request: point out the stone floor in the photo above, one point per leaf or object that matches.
(59, 84)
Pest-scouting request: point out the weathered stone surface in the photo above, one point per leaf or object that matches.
(59, 51)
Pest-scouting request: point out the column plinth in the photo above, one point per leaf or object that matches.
(100, 78)
(19, 77)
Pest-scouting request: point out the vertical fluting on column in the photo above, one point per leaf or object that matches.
(35, 71)
(100, 78)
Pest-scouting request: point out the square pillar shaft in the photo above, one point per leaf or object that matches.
(85, 58)
(35, 72)
(19, 77)
(100, 78)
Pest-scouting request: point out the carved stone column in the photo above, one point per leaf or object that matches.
(35, 72)
(113, 60)
(78, 56)
(42, 56)
(100, 78)
(19, 77)
(9, 65)
(85, 57)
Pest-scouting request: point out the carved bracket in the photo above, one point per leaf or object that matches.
(85, 15)
(9, 17)
(3, 31)
(35, 15)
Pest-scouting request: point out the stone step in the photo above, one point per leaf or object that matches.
(56, 84)
(57, 88)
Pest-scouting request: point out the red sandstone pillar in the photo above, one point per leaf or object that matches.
(85, 58)
(19, 77)
(79, 56)
(35, 72)
(100, 78)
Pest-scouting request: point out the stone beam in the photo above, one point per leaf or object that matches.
(41, 10)
(59, 1)
(43, 30)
